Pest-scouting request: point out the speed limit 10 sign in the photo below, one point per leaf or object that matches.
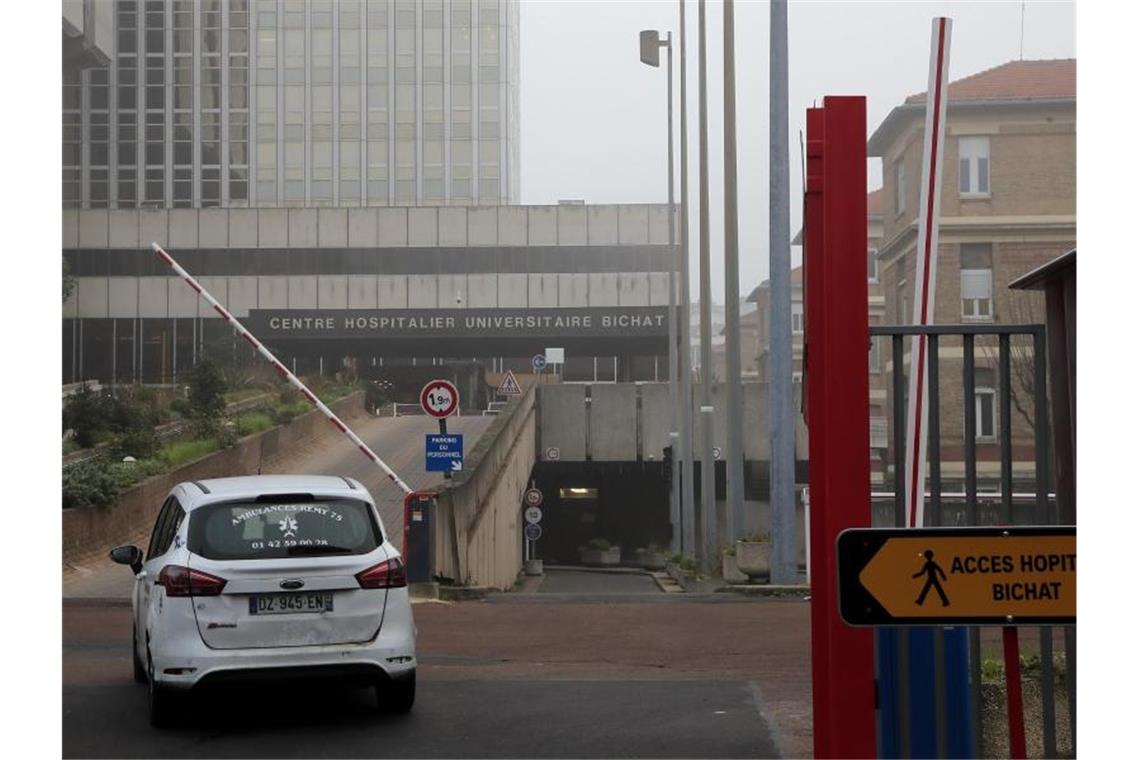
(439, 398)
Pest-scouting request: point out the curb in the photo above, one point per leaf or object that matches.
(96, 601)
(766, 590)
(464, 593)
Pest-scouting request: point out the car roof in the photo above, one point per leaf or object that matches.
(199, 492)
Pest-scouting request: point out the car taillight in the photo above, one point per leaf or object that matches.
(183, 581)
(388, 574)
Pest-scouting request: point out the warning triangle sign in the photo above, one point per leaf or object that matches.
(509, 386)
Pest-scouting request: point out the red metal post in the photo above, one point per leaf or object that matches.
(836, 351)
(1013, 692)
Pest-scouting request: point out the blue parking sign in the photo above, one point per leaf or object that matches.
(443, 453)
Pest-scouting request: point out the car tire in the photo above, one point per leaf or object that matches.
(160, 700)
(398, 694)
(140, 671)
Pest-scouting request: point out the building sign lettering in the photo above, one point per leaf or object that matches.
(631, 321)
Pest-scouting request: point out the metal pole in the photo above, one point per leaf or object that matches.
(781, 439)
(708, 465)
(688, 508)
(675, 491)
(734, 432)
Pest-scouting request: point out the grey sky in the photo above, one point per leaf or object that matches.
(593, 116)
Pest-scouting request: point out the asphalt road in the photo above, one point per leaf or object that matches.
(527, 679)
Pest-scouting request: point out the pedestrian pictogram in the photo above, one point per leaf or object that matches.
(958, 576)
(509, 386)
(932, 571)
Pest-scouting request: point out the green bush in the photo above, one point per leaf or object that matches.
(87, 414)
(755, 538)
(598, 544)
(207, 395)
(89, 484)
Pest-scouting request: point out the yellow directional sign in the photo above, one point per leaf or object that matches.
(958, 576)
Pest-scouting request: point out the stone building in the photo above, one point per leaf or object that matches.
(1008, 206)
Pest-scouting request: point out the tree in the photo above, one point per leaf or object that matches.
(86, 414)
(207, 395)
(1024, 309)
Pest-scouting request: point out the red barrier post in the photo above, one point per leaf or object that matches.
(836, 353)
(1013, 692)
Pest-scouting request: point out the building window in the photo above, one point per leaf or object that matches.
(872, 265)
(798, 318)
(974, 166)
(878, 432)
(977, 281)
(902, 316)
(875, 355)
(985, 414)
(900, 187)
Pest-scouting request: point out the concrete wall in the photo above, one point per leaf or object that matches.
(483, 290)
(627, 224)
(616, 439)
(477, 535)
(567, 421)
(93, 531)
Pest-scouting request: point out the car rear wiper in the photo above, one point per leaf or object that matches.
(320, 549)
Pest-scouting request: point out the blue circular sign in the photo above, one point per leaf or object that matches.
(533, 531)
(538, 361)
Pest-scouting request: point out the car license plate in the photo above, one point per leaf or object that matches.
(280, 604)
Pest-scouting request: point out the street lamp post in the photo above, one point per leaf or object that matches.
(651, 44)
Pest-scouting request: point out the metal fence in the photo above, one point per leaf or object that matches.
(1043, 506)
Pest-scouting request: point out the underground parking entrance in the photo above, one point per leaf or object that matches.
(623, 505)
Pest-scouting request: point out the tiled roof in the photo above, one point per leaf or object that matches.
(1016, 80)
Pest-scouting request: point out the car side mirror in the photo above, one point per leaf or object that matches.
(128, 555)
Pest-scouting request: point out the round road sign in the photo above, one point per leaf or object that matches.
(533, 497)
(439, 398)
(533, 531)
(538, 361)
(553, 454)
(717, 453)
(532, 514)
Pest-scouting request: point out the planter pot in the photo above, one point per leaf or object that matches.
(730, 571)
(604, 558)
(652, 560)
(533, 567)
(754, 558)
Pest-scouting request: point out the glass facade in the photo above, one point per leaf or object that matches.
(313, 103)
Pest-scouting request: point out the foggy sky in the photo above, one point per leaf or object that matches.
(593, 116)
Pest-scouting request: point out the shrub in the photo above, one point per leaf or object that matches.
(253, 422)
(180, 452)
(86, 413)
(207, 395)
(598, 544)
(755, 538)
(89, 484)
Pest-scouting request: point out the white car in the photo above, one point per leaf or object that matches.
(270, 577)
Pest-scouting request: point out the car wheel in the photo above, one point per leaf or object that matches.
(140, 671)
(397, 695)
(160, 700)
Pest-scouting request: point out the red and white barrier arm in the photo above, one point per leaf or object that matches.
(281, 370)
(926, 267)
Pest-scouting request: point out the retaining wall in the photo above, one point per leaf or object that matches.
(477, 538)
(92, 530)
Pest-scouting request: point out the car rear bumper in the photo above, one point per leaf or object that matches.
(183, 660)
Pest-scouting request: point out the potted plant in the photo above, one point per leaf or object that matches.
(729, 570)
(652, 557)
(600, 552)
(682, 568)
(753, 555)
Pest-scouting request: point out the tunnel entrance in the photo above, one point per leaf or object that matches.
(625, 503)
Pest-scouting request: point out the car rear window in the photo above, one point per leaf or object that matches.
(267, 530)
